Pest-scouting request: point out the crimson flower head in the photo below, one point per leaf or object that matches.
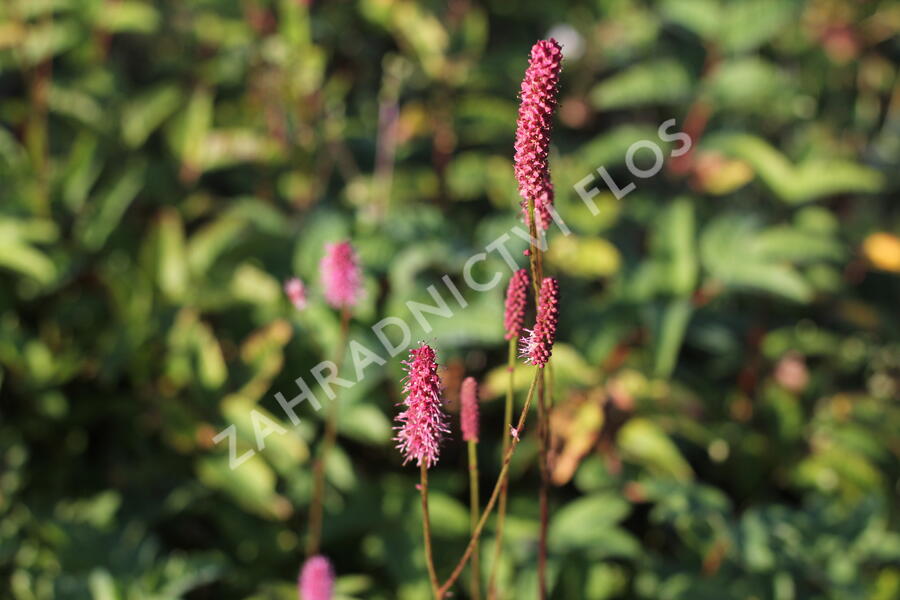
(468, 412)
(296, 292)
(423, 424)
(538, 345)
(540, 88)
(516, 296)
(340, 274)
(316, 579)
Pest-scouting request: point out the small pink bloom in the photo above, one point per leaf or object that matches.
(516, 296)
(296, 292)
(316, 579)
(540, 88)
(468, 412)
(422, 426)
(341, 276)
(514, 433)
(537, 346)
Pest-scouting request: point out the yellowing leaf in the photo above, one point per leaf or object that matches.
(717, 175)
(578, 427)
(584, 257)
(883, 251)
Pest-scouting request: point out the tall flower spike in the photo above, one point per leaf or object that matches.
(538, 345)
(316, 579)
(340, 273)
(468, 412)
(422, 426)
(539, 92)
(516, 296)
(296, 292)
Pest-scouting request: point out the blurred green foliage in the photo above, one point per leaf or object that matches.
(726, 389)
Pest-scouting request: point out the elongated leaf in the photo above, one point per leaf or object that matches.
(661, 82)
(644, 442)
(105, 210)
(813, 179)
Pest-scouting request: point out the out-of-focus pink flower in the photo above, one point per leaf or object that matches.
(296, 292)
(538, 345)
(423, 424)
(516, 296)
(540, 88)
(791, 372)
(316, 579)
(468, 412)
(340, 274)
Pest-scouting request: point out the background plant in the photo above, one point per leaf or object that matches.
(726, 381)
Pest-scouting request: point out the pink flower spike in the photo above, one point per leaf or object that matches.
(296, 292)
(316, 579)
(341, 276)
(514, 433)
(538, 344)
(468, 412)
(516, 296)
(540, 88)
(423, 424)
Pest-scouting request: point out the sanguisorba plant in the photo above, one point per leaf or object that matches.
(422, 425)
(316, 580)
(341, 279)
(421, 428)
(538, 98)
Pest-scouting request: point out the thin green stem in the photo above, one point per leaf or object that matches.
(316, 507)
(426, 531)
(537, 277)
(504, 484)
(534, 253)
(544, 494)
(473, 518)
(494, 494)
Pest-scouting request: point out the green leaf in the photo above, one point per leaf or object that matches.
(674, 246)
(284, 451)
(813, 179)
(80, 173)
(663, 81)
(746, 83)
(106, 210)
(734, 255)
(734, 25)
(172, 274)
(252, 284)
(644, 442)
(47, 39)
(586, 522)
(27, 260)
(209, 242)
(669, 326)
(251, 485)
(703, 17)
(211, 367)
(102, 585)
(365, 423)
(77, 104)
(747, 24)
(127, 16)
(187, 133)
(142, 115)
(449, 516)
